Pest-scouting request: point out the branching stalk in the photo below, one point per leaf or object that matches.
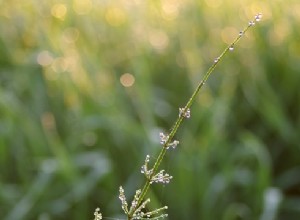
(182, 115)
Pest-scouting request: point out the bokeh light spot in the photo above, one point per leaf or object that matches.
(82, 7)
(59, 11)
(44, 58)
(159, 40)
(70, 35)
(170, 9)
(127, 80)
(59, 65)
(115, 16)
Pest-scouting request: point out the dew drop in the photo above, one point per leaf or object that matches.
(216, 60)
(241, 33)
(231, 48)
(258, 17)
(251, 23)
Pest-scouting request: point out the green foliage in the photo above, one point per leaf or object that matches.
(71, 131)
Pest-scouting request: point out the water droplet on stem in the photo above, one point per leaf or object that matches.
(251, 23)
(258, 17)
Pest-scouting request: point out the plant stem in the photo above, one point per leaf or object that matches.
(181, 117)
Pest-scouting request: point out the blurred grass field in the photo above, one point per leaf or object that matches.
(86, 87)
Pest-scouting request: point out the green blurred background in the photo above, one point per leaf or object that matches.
(87, 85)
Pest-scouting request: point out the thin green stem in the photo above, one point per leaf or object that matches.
(181, 117)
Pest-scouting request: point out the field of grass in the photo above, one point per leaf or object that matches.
(87, 85)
